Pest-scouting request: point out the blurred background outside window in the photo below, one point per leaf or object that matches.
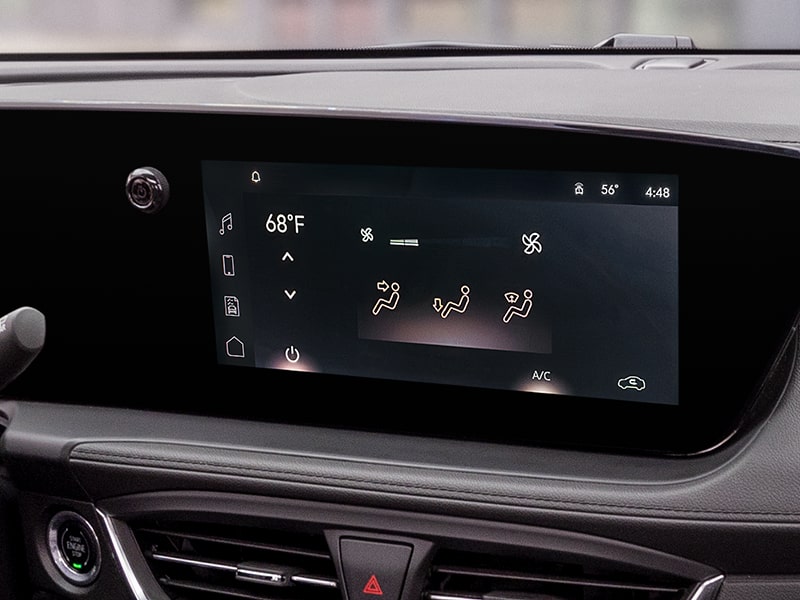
(182, 25)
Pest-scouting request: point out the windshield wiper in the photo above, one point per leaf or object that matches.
(444, 45)
(619, 41)
(646, 41)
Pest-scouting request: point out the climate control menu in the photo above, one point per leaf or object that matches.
(550, 282)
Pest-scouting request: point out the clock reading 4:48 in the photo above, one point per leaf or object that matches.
(657, 192)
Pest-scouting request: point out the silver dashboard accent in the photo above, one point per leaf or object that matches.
(706, 590)
(193, 562)
(127, 571)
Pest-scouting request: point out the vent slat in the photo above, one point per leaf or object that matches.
(468, 575)
(440, 596)
(236, 542)
(314, 580)
(194, 586)
(191, 561)
(199, 561)
(538, 578)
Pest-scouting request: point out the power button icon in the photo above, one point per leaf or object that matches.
(292, 354)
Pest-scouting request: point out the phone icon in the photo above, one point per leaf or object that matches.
(228, 268)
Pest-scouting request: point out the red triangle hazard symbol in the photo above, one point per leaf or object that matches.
(373, 587)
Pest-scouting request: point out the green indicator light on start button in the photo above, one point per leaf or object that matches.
(75, 545)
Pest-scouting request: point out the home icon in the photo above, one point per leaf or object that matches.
(234, 347)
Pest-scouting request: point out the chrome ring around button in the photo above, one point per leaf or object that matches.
(72, 572)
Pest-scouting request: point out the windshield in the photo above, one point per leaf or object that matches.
(80, 26)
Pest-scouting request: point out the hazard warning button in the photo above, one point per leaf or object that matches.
(373, 586)
(373, 570)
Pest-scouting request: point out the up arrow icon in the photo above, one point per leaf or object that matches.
(287, 256)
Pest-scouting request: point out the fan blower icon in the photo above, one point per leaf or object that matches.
(531, 243)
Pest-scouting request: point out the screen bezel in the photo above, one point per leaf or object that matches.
(736, 311)
(704, 417)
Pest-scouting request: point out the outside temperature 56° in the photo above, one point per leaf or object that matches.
(609, 189)
(282, 223)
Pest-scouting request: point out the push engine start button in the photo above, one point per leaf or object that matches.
(74, 547)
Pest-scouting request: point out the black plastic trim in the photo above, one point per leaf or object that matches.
(423, 531)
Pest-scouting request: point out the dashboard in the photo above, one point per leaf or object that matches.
(440, 327)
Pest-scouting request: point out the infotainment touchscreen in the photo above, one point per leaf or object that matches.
(550, 282)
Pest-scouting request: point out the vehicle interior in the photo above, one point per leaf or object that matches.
(425, 322)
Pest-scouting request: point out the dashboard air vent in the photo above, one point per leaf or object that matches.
(207, 562)
(466, 576)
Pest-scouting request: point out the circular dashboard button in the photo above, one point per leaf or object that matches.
(74, 547)
(147, 189)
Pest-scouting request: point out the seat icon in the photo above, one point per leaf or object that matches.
(444, 310)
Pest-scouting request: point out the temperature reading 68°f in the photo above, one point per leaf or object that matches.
(281, 223)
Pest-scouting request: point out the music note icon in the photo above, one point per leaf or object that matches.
(227, 222)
